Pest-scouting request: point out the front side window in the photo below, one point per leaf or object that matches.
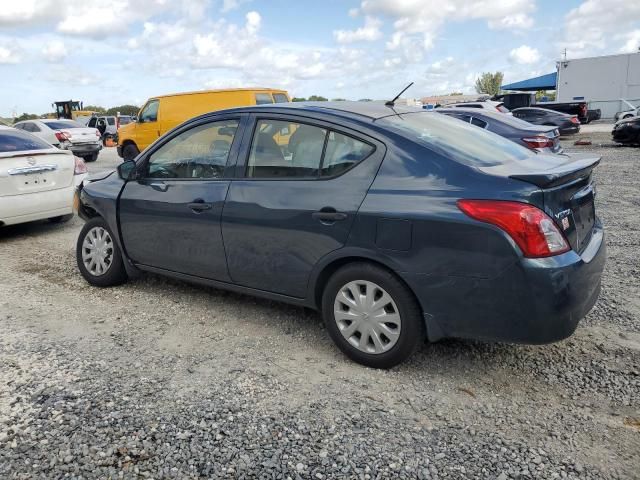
(201, 152)
(283, 149)
(150, 112)
(280, 98)
(263, 98)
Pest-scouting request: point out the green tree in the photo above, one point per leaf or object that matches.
(317, 98)
(298, 99)
(453, 94)
(489, 83)
(95, 108)
(338, 99)
(25, 116)
(124, 110)
(365, 100)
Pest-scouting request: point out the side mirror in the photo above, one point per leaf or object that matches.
(127, 170)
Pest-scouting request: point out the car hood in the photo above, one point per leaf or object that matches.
(628, 120)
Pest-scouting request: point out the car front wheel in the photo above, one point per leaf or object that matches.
(98, 255)
(130, 152)
(372, 316)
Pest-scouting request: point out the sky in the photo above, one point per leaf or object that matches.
(125, 51)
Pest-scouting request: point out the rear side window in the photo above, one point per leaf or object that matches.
(283, 149)
(263, 98)
(111, 120)
(18, 141)
(280, 98)
(125, 120)
(453, 139)
(62, 124)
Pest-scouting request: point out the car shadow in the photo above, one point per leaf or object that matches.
(30, 229)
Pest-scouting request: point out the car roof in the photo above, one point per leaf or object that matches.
(539, 109)
(347, 109)
(49, 120)
(473, 111)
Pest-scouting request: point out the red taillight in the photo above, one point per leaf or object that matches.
(80, 167)
(62, 136)
(539, 141)
(98, 133)
(532, 229)
(117, 123)
(575, 120)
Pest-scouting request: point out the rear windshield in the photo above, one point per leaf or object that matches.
(280, 98)
(62, 124)
(19, 141)
(462, 142)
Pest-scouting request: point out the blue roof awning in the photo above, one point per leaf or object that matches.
(543, 82)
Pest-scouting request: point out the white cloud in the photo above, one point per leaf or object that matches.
(367, 33)
(633, 42)
(55, 51)
(425, 18)
(591, 27)
(228, 5)
(525, 55)
(17, 12)
(8, 55)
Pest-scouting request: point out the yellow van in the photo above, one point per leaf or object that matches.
(161, 114)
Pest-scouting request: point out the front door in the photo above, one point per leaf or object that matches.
(170, 217)
(302, 186)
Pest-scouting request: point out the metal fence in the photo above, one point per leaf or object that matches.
(610, 107)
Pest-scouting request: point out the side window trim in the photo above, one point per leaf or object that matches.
(252, 124)
(231, 158)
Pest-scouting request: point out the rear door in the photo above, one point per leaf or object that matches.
(170, 216)
(302, 182)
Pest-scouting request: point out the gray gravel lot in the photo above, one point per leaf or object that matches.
(161, 379)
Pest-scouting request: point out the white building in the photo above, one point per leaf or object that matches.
(602, 81)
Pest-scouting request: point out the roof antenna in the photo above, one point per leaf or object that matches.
(391, 103)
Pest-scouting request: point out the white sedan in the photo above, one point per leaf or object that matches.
(67, 135)
(37, 180)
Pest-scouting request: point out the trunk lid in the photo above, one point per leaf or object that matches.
(568, 191)
(81, 135)
(35, 171)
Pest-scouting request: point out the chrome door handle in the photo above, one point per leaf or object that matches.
(199, 206)
(163, 187)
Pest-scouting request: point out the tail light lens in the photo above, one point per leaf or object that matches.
(98, 133)
(533, 230)
(80, 167)
(539, 141)
(62, 136)
(575, 120)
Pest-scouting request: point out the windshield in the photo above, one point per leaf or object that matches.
(19, 141)
(62, 124)
(124, 120)
(457, 140)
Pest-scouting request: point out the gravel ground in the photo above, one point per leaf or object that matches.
(160, 379)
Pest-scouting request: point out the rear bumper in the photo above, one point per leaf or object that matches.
(569, 130)
(85, 148)
(533, 301)
(626, 134)
(36, 206)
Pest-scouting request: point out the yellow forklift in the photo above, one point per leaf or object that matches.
(72, 110)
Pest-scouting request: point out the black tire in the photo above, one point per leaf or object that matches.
(61, 218)
(412, 329)
(116, 273)
(90, 158)
(130, 152)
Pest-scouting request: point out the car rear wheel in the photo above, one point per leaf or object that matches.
(371, 315)
(130, 152)
(90, 158)
(98, 256)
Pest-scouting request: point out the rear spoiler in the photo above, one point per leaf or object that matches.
(561, 174)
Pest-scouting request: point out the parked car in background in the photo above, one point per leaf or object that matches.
(67, 135)
(397, 223)
(627, 131)
(37, 180)
(593, 115)
(633, 111)
(525, 99)
(566, 124)
(108, 125)
(160, 114)
(485, 105)
(540, 138)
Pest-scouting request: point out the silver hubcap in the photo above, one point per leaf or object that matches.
(367, 316)
(97, 251)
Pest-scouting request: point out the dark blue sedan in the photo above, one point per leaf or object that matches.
(397, 224)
